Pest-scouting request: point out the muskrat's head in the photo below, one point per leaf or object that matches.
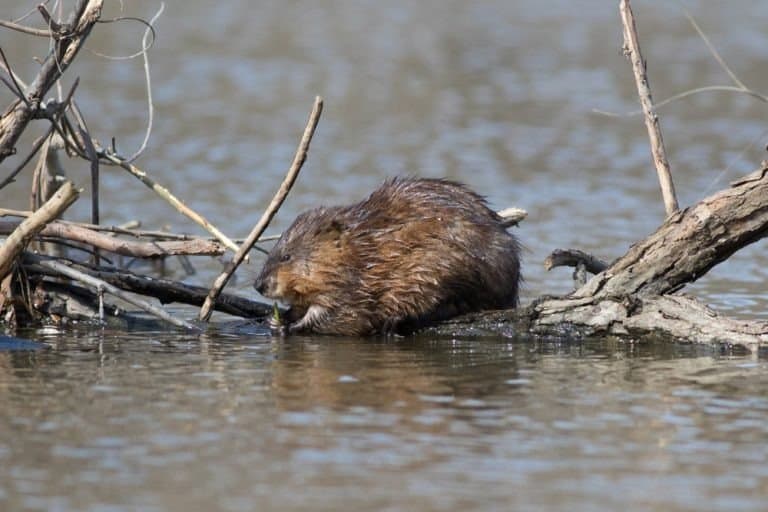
(303, 266)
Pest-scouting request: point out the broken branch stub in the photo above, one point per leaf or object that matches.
(32, 225)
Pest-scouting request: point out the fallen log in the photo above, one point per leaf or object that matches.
(634, 298)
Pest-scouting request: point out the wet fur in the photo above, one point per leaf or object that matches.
(413, 252)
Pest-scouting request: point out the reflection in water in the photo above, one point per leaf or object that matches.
(161, 422)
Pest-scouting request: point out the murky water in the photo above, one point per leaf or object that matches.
(499, 94)
(156, 422)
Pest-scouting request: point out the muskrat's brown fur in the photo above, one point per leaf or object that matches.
(413, 252)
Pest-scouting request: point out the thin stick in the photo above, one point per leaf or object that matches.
(121, 230)
(632, 51)
(277, 201)
(90, 151)
(173, 200)
(25, 29)
(148, 80)
(32, 225)
(35, 148)
(117, 292)
(18, 89)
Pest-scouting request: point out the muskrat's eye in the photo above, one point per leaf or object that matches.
(285, 257)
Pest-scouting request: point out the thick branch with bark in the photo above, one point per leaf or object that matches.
(632, 297)
(153, 249)
(689, 243)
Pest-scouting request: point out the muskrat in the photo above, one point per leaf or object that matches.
(413, 252)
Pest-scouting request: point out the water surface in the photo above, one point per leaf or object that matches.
(498, 94)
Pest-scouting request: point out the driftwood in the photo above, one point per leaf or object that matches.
(165, 290)
(633, 296)
(32, 225)
(102, 286)
(68, 40)
(121, 246)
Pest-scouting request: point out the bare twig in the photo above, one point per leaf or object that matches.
(100, 285)
(148, 80)
(18, 240)
(714, 51)
(27, 30)
(173, 200)
(15, 119)
(93, 156)
(16, 87)
(122, 230)
(35, 148)
(274, 205)
(739, 86)
(145, 46)
(632, 50)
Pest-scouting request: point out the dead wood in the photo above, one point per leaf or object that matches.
(632, 297)
(166, 291)
(67, 42)
(274, 205)
(632, 51)
(102, 286)
(32, 225)
(689, 243)
(152, 249)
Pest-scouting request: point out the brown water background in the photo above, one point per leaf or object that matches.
(498, 94)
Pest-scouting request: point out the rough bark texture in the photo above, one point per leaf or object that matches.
(689, 243)
(154, 249)
(632, 298)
